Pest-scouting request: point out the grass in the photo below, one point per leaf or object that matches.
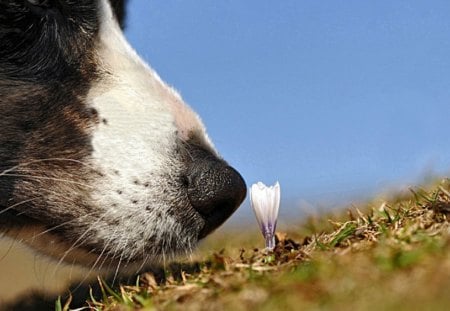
(385, 255)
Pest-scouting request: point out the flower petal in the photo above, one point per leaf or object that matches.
(265, 202)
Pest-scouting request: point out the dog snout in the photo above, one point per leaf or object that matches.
(214, 188)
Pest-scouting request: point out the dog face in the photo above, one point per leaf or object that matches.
(100, 161)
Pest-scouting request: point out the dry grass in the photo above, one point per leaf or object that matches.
(386, 255)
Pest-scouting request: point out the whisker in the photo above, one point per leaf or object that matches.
(106, 258)
(92, 267)
(76, 243)
(10, 247)
(163, 253)
(16, 204)
(117, 270)
(49, 178)
(43, 160)
(99, 257)
(144, 259)
(116, 249)
(62, 225)
(143, 264)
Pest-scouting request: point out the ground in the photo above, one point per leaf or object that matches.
(387, 254)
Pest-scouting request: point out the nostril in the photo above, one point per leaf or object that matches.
(215, 190)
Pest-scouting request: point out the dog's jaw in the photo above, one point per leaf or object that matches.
(137, 148)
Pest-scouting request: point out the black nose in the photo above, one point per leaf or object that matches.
(215, 189)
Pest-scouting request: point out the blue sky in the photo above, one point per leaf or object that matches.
(332, 98)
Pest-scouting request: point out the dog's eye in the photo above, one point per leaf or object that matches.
(40, 3)
(42, 7)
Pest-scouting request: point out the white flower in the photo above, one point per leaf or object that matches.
(265, 202)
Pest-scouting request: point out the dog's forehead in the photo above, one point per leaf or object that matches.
(127, 69)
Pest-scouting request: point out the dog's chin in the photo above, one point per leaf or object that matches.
(99, 257)
(51, 245)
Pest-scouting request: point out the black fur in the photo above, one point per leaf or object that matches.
(119, 9)
(46, 68)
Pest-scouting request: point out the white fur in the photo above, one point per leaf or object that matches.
(145, 121)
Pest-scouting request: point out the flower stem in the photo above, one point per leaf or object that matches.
(270, 241)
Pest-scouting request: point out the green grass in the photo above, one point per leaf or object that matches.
(385, 255)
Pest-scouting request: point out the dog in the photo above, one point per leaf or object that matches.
(102, 164)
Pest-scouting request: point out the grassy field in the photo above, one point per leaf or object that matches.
(391, 254)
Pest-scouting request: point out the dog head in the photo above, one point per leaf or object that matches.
(100, 160)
